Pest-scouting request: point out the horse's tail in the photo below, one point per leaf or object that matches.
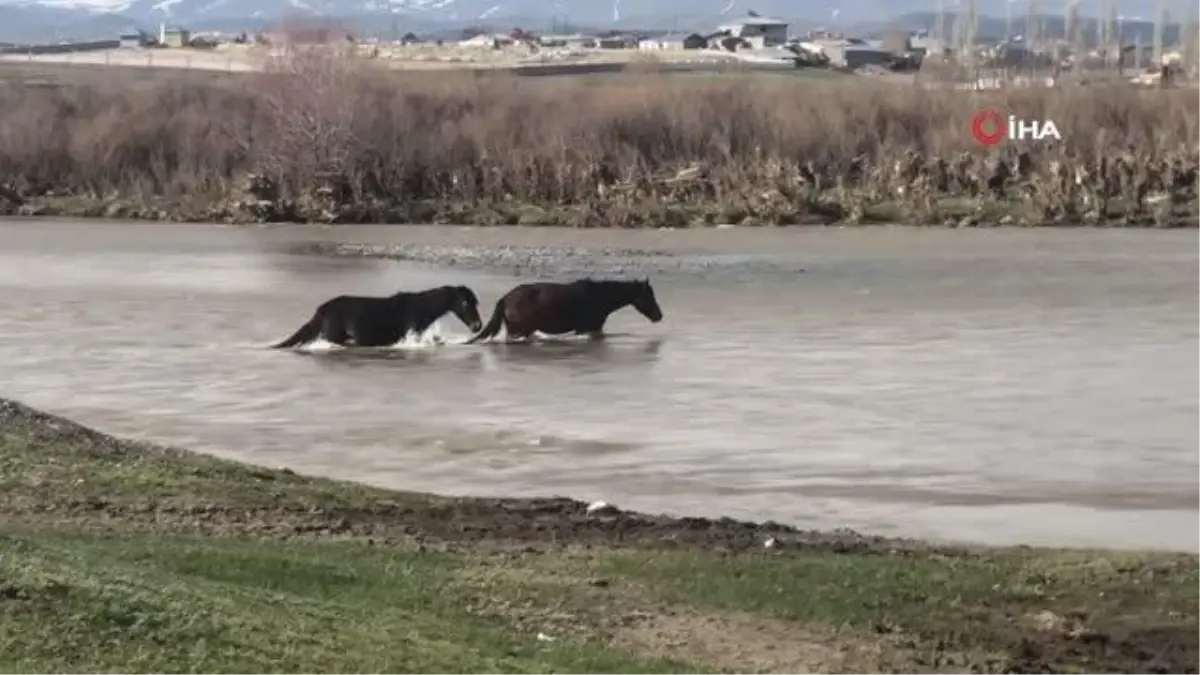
(306, 333)
(493, 324)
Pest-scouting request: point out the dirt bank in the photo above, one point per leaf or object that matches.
(637, 151)
(126, 556)
(439, 521)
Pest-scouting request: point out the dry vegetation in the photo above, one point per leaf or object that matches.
(335, 140)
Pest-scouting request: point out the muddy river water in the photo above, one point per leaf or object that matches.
(994, 386)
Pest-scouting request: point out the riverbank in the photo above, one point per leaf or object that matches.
(124, 555)
(331, 140)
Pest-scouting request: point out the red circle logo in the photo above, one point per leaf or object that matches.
(985, 119)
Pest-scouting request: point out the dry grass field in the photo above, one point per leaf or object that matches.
(321, 138)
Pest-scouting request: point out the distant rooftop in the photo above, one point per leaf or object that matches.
(756, 21)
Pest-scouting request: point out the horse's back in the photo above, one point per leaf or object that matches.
(544, 292)
(345, 302)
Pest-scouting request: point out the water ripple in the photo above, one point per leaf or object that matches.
(1031, 387)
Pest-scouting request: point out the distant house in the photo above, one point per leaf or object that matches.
(410, 39)
(174, 37)
(1011, 53)
(1133, 55)
(204, 41)
(672, 42)
(132, 39)
(488, 41)
(759, 31)
(896, 41)
(616, 42)
(574, 40)
(923, 44)
(856, 57)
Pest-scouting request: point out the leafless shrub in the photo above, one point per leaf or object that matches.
(311, 105)
(315, 120)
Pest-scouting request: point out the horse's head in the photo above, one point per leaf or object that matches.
(465, 306)
(643, 300)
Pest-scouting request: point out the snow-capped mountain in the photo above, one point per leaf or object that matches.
(31, 21)
(34, 20)
(582, 11)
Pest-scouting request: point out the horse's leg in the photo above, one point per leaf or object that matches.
(334, 332)
(594, 330)
(517, 332)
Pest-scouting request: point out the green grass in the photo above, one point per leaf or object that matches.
(165, 604)
(863, 590)
(121, 556)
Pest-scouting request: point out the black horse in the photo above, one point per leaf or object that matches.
(381, 322)
(579, 307)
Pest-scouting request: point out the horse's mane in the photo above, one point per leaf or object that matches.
(608, 283)
(436, 290)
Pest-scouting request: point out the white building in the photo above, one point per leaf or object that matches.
(673, 42)
(759, 31)
(484, 40)
(575, 40)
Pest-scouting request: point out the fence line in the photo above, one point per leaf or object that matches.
(135, 59)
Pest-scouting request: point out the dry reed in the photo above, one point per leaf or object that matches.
(331, 139)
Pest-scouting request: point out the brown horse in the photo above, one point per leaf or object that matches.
(579, 307)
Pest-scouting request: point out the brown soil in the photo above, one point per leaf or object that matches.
(748, 643)
(432, 520)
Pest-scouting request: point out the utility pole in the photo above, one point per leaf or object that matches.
(1074, 32)
(1160, 19)
(956, 32)
(1190, 47)
(935, 31)
(1111, 38)
(1040, 34)
(1033, 27)
(972, 25)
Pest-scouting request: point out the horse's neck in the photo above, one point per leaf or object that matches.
(425, 308)
(615, 299)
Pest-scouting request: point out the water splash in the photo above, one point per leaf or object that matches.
(432, 338)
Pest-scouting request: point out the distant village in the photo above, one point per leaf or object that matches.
(753, 39)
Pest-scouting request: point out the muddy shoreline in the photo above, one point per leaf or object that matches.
(443, 522)
(1164, 212)
(83, 513)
